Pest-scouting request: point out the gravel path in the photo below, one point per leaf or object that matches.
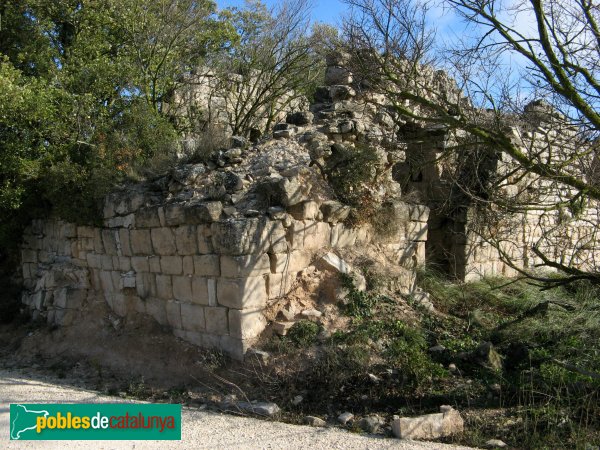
(200, 429)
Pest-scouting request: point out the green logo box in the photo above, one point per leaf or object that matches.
(95, 421)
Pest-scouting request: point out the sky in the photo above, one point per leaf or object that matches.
(328, 11)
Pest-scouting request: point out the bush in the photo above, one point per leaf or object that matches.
(303, 333)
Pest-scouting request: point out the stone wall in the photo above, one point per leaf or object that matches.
(204, 269)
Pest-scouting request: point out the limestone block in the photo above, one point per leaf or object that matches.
(204, 240)
(418, 213)
(188, 265)
(171, 265)
(240, 236)
(205, 212)
(127, 221)
(334, 212)
(305, 210)
(173, 310)
(317, 235)
(106, 262)
(246, 324)
(145, 284)
(291, 262)
(200, 294)
(147, 218)
(234, 347)
(416, 231)
(182, 288)
(342, 236)
(429, 426)
(277, 236)
(185, 240)
(109, 241)
(175, 214)
(207, 265)
(242, 293)
(163, 241)
(292, 191)
(29, 256)
(93, 261)
(245, 266)
(295, 234)
(161, 216)
(156, 307)
(85, 232)
(153, 263)
(212, 291)
(216, 320)
(192, 317)
(140, 264)
(124, 240)
(127, 280)
(164, 287)
(141, 243)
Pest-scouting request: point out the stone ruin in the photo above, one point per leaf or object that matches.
(206, 249)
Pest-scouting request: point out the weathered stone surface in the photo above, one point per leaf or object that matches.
(157, 308)
(245, 265)
(279, 284)
(207, 265)
(345, 418)
(337, 75)
(246, 324)
(192, 317)
(314, 421)
(163, 241)
(260, 408)
(164, 287)
(171, 265)
(300, 118)
(141, 243)
(334, 211)
(185, 240)
(175, 214)
(239, 237)
(342, 236)
(147, 218)
(291, 262)
(292, 191)
(371, 424)
(173, 310)
(341, 92)
(182, 288)
(429, 426)
(281, 328)
(216, 320)
(205, 212)
(305, 210)
(242, 293)
(200, 291)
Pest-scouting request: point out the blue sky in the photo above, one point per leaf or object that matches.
(328, 11)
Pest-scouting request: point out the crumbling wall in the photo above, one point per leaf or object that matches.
(206, 268)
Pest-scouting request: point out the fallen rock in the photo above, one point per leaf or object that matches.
(496, 443)
(281, 328)
(314, 421)
(487, 356)
(371, 424)
(430, 426)
(334, 263)
(260, 408)
(346, 417)
(297, 400)
(311, 314)
(334, 212)
(300, 118)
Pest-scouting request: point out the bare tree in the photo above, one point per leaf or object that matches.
(532, 172)
(272, 69)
